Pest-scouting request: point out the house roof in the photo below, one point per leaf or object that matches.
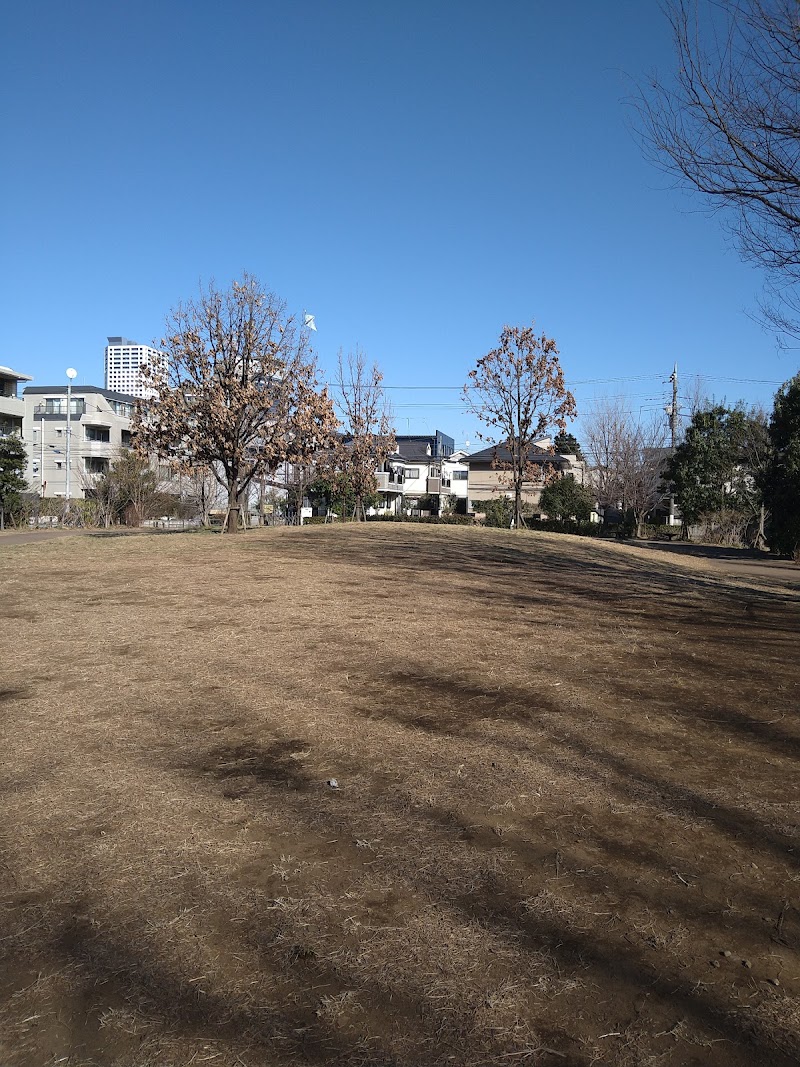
(503, 455)
(61, 390)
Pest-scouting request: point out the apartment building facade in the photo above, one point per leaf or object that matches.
(98, 425)
(12, 405)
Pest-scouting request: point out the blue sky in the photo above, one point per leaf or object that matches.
(416, 174)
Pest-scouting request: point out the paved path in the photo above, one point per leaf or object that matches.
(23, 537)
(733, 562)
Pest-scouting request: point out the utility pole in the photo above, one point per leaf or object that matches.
(71, 375)
(673, 432)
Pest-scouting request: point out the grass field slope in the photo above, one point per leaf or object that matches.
(565, 830)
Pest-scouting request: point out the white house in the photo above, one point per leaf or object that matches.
(420, 476)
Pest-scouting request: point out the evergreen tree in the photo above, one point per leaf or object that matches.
(12, 465)
(565, 499)
(566, 444)
(718, 467)
(782, 476)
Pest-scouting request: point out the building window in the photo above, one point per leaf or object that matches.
(412, 472)
(98, 433)
(95, 465)
(460, 476)
(126, 438)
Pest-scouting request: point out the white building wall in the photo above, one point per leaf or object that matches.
(124, 360)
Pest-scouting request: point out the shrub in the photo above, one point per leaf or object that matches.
(499, 511)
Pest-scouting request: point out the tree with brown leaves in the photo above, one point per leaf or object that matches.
(369, 436)
(240, 392)
(518, 391)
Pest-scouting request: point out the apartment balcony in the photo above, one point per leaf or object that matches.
(59, 411)
(437, 486)
(13, 406)
(388, 483)
(12, 409)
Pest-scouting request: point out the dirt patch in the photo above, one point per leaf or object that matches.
(564, 827)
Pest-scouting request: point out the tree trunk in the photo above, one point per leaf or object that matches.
(232, 525)
(517, 502)
(761, 538)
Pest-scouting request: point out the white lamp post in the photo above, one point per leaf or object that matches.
(71, 373)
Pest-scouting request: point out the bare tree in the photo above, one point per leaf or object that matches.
(366, 418)
(627, 458)
(132, 490)
(518, 391)
(728, 125)
(202, 492)
(240, 392)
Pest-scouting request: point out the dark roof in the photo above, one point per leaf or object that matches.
(503, 455)
(414, 457)
(109, 394)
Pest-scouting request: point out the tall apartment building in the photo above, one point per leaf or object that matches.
(124, 362)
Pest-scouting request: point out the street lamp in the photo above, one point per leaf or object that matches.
(71, 373)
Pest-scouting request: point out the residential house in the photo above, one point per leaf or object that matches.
(420, 475)
(488, 479)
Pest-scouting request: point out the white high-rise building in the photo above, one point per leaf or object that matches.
(124, 361)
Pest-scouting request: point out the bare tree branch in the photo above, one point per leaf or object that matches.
(369, 436)
(728, 126)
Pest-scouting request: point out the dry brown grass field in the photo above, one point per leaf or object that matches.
(565, 833)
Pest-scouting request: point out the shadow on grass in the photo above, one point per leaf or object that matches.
(241, 767)
(462, 704)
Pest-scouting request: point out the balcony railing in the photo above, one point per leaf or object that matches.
(389, 482)
(78, 409)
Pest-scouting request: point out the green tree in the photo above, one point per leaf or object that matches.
(12, 465)
(565, 499)
(499, 511)
(782, 474)
(717, 469)
(566, 444)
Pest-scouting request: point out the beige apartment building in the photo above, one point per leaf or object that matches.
(99, 424)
